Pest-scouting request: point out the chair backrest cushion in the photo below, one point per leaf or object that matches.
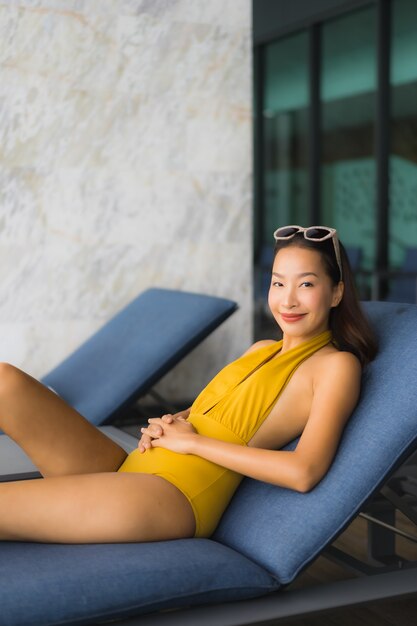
(283, 530)
(134, 349)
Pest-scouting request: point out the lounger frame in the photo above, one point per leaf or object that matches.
(282, 605)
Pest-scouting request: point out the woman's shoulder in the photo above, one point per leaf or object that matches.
(337, 362)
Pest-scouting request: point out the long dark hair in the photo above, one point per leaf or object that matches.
(350, 328)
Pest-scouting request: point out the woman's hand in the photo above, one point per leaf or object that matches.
(145, 442)
(155, 428)
(170, 432)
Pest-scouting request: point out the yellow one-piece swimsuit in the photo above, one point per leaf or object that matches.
(231, 408)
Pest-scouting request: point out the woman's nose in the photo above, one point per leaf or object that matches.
(290, 299)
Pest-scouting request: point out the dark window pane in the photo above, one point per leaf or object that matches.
(285, 133)
(285, 154)
(403, 160)
(348, 84)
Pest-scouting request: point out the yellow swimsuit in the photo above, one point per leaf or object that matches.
(232, 407)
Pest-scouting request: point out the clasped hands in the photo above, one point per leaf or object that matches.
(171, 432)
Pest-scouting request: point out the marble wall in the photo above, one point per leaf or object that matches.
(125, 162)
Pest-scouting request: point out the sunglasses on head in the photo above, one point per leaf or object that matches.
(312, 233)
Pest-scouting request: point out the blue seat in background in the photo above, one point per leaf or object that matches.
(354, 254)
(135, 349)
(404, 288)
(266, 537)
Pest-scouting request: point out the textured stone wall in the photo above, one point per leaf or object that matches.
(125, 162)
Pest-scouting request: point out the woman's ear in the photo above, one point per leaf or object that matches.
(338, 293)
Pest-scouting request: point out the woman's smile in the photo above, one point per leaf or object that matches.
(292, 317)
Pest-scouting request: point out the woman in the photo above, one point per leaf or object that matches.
(187, 466)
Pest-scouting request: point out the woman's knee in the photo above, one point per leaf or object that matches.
(12, 379)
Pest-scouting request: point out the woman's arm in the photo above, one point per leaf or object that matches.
(336, 390)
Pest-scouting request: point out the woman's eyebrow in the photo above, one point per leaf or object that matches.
(298, 275)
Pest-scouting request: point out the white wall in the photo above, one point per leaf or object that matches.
(125, 162)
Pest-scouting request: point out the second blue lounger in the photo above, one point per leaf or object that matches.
(135, 349)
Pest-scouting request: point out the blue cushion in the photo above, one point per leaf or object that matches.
(73, 584)
(283, 530)
(138, 346)
(403, 288)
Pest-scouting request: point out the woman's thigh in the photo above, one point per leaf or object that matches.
(94, 508)
(55, 436)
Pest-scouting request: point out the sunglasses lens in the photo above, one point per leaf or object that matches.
(317, 233)
(286, 231)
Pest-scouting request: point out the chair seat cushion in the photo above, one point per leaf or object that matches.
(75, 584)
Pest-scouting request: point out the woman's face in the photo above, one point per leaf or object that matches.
(301, 293)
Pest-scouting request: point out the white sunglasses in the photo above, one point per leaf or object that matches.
(312, 233)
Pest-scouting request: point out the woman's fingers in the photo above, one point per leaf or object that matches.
(147, 434)
(153, 430)
(168, 419)
(145, 442)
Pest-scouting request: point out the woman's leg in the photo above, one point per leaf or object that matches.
(58, 440)
(94, 508)
(82, 499)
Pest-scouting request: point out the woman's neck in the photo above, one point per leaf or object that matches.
(291, 341)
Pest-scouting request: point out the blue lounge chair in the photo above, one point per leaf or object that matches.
(267, 536)
(134, 350)
(354, 254)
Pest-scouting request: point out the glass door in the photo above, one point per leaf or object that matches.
(348, 169)
(403, 158)
(284, 143)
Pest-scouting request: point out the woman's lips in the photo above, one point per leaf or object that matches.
(292, 318)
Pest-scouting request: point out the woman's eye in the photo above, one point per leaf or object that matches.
(276, 283)
(307, 284)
